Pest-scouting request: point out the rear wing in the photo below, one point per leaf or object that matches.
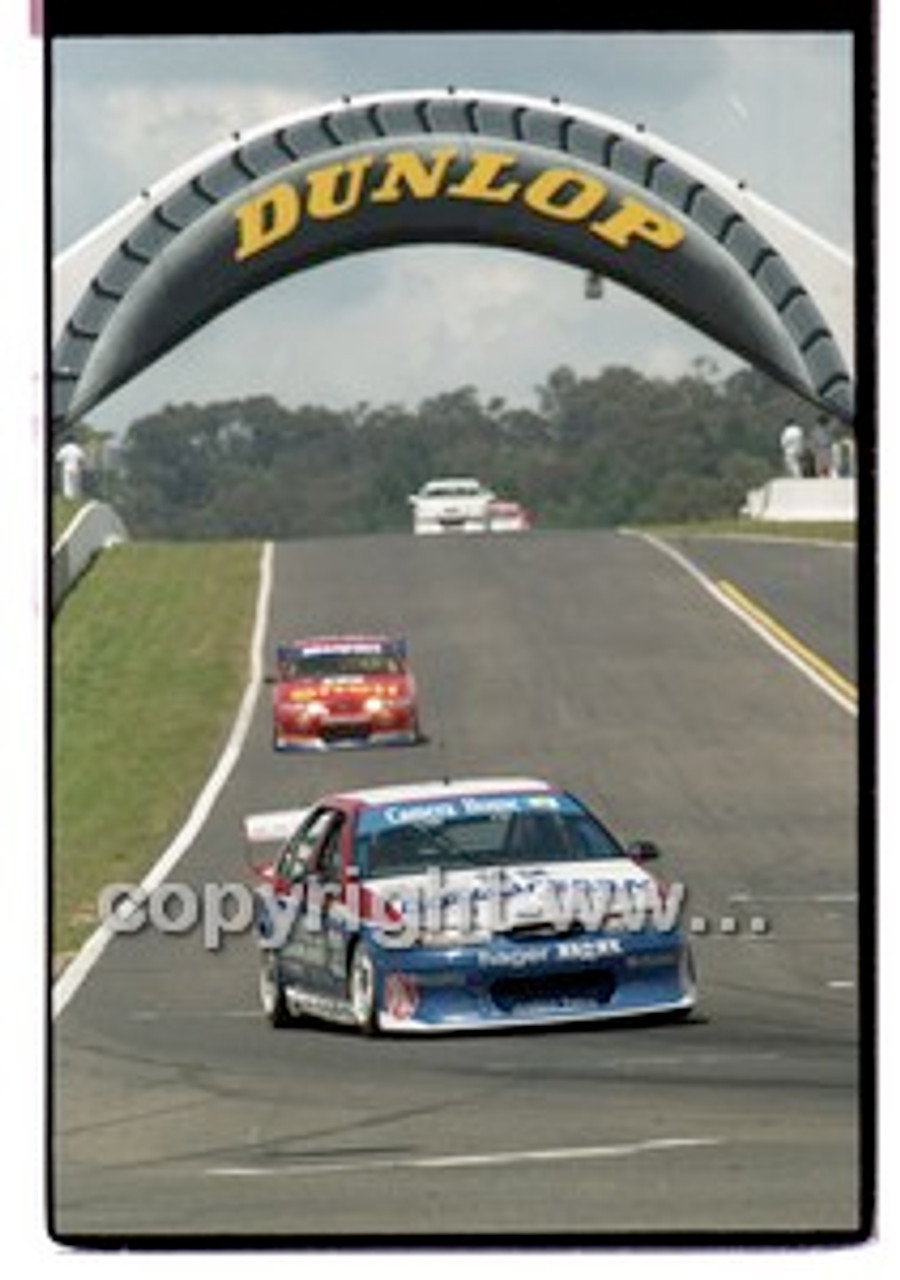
(265, 828)
(390, 644)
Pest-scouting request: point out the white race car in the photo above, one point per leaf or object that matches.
(452, 505)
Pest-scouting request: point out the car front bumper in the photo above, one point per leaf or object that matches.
(472, 987)
(331, 733)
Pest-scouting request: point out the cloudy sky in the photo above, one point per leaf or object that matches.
(773, 109)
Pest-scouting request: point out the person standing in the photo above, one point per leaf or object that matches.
(793, 444)
(71, 458)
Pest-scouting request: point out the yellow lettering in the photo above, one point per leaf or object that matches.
(478, 182)
(636, 221)
(407, 172)
(565, 194)
(562, 194)
(337, 189)
(266, 219)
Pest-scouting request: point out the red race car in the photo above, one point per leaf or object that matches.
(344, 691)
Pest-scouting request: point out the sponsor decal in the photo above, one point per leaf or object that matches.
(315, 650)
(328, 1007)
(401, 995)
(555, 194)
(592, 949)
(394, 815)
(508, 959)
(472, 806)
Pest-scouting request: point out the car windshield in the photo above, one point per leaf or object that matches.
(320, 664)
(511, 831)
(453, 489)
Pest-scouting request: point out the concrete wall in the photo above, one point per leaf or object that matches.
(816, 498)
(95, 526)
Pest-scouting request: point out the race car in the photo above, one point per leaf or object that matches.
(452, 504)
(343, 691)
(464, 505)
(459, 905)
(508, 517)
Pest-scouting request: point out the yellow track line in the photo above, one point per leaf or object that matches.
(822, 668)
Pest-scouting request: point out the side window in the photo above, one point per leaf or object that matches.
(327, 860)
(297, 856)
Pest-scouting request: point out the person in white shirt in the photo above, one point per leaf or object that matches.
(792, 446)
(71, 458)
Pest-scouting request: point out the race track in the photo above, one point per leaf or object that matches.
(595, 661)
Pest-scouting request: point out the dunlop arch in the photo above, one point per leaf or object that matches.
(451, 167)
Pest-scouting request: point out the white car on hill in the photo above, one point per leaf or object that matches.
(462, 504)
(451, 505)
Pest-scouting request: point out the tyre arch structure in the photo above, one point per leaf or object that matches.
(451, 166)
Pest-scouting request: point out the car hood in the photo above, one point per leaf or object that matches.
(533, 898)
(325, 687)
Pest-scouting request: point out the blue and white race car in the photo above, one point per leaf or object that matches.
(480, 903)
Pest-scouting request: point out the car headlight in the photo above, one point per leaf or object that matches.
(316, 708)
(374, 704)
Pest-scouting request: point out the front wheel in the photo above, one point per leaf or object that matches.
(271, 991)
(361, 983)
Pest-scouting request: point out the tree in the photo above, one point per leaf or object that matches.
(599, 450)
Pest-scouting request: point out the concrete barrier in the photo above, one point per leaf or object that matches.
(94, 527)
(821, 498)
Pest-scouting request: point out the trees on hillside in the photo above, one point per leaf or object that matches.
(597, 451)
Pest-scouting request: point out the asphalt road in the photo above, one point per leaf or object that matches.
(809, 587)
(596, 661)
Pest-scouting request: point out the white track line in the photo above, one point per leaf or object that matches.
(847, 704)
(476, 1160)
(80, 966)
(819, 899)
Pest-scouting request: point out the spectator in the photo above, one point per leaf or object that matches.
(821, 448)
(842, 454)
(793, 444)
(71, 458)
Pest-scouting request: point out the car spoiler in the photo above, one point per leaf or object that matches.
(393, 644)
(261, 828)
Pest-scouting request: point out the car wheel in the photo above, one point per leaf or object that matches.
(361, 984)
(271, 991)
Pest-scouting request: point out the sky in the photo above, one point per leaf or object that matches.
(775, 110)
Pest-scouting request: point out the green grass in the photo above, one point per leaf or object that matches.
(149, 661)
(832, 531)
(62, 513)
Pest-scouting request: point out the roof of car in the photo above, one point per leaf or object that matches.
(280, 824)
(405, 793)
(453, 482)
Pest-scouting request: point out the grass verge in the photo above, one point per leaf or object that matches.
(149, 661)
(829, 531)
(62, 513)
